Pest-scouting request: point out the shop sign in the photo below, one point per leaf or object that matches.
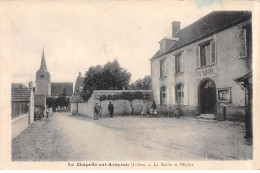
(206, 72)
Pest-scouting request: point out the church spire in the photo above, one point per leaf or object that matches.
(43, 63)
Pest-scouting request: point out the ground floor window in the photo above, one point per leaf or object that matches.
(163, 95)
(179, 94)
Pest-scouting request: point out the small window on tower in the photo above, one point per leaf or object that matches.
(42, 76)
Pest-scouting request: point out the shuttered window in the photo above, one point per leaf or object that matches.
(206, 54)
(179, 94)
(162, 68)
(180, 62)
(242, 43)
(163, 95)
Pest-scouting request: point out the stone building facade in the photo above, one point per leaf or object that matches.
(196, 67)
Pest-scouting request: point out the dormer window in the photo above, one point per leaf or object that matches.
(162, 46)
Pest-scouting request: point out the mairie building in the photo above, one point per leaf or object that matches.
(197, 66)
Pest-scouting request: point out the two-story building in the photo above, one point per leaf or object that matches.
(196, 67)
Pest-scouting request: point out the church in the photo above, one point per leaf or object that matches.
(44, 86)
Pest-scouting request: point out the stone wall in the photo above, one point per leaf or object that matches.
(19, 124)
(87, 108)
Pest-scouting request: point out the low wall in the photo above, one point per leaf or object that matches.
(233, 113)
(19, 124)
(189, 111)
(84, 108)
(118, 107)
(87, 108)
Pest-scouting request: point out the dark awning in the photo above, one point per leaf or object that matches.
(244, 81)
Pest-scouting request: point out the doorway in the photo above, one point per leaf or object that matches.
(207, 96)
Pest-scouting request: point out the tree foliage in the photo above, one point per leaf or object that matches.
(109, 77)
(59, 101)
(141, 84)
(130, 96)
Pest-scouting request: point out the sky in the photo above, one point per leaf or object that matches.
(76, 36)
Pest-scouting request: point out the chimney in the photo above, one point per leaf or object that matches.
(31, 84)
(79, 74)
(176, 25)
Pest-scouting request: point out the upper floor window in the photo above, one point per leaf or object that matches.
(163, 95)
(179, 94)
(206, 54)
(179, 62)
(162, 68)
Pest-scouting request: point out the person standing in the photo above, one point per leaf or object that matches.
(111, 109)
(96, 111)
(154, 107)
(99, 110)
(124, 109)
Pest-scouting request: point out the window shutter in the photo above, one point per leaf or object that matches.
(171, 65)
(197, 57)
(213, 52)
(158, 96)
(174, 65)
(166, 66)
(242, 43)
(173, 95)
(186, 95)
(183, 61)
(159, 68)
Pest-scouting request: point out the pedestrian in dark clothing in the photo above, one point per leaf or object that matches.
(111, 109)
(154, 107)
(96, 111)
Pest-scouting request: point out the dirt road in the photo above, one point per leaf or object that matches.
(66, 137)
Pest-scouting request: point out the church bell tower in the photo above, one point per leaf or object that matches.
(43, 79)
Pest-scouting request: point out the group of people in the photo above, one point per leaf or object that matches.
(152, 109)
(98, 109)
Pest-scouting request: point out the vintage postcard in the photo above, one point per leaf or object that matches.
(129, 84)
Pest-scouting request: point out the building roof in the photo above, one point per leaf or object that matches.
(245, 77)
(212, 23)
(79, 82)
(18, 85)
(39, 100)
(21, 94)
(57, 89)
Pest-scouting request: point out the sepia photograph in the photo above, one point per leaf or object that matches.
(128, 85)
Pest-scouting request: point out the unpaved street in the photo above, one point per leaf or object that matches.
(66, 137)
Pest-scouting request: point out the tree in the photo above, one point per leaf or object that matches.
(141, 84)
(63, 100)
(109, 77)
(50, 102)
